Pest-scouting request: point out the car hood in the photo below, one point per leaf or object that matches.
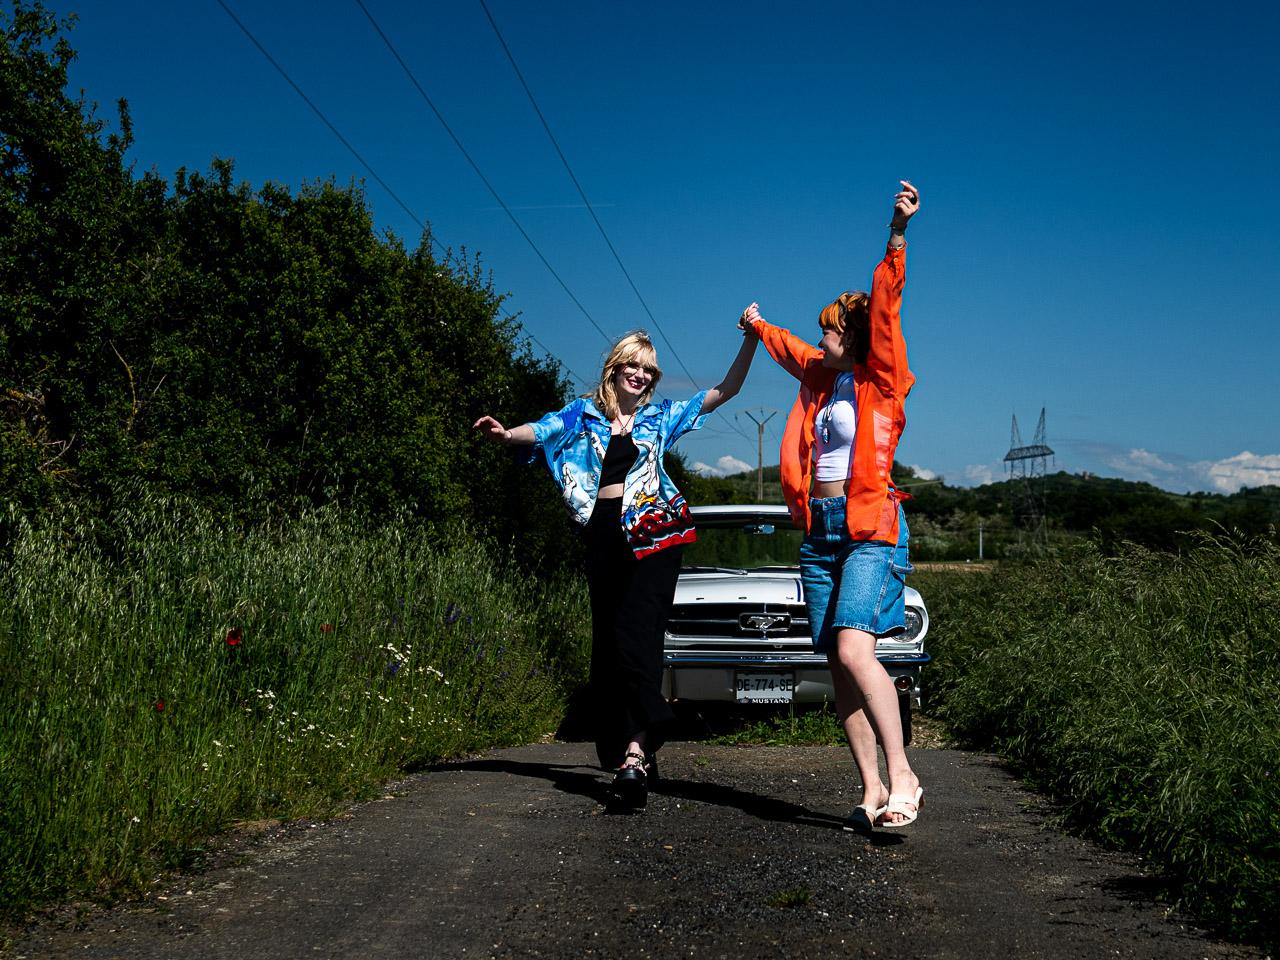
(773, 587)
(780, 588)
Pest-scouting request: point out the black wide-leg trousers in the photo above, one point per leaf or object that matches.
(630, 602)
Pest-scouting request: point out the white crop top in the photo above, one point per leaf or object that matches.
(833, 429)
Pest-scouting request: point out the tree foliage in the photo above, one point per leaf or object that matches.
(240, 346)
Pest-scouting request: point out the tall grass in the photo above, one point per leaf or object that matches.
(204, 674)
(1144, 689)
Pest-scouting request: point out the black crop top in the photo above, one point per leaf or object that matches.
(618, 458)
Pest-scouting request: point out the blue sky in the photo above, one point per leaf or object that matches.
(1100, 192)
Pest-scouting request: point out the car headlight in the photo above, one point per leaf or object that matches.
(914, 624)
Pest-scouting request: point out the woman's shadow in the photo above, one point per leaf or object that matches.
(592, 783)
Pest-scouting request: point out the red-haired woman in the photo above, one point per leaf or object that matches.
(837, 453)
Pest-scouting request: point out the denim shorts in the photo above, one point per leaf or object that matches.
(851, 584)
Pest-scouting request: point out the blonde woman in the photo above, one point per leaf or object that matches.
(605, 452)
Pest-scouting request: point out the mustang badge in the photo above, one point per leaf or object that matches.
(763, 621)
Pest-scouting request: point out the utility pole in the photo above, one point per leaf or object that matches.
(760, 452)
(979, 541)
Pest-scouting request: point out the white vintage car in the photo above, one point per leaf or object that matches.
(739, 633)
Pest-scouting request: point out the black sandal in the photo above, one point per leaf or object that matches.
(631, 783)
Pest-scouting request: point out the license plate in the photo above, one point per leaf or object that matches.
(764, 687)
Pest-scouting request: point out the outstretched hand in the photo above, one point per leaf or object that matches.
(905, 205)
(747, 322)
(491, 429)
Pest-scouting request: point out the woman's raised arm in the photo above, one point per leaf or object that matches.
(732, 382)
(905, 205)
(887, 351)
(792, 353)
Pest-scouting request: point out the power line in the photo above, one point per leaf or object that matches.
(582, 193)
(325, 120)
(396, 197)
(590, 209)
(474, 166)
(373, 173)
(557, 359)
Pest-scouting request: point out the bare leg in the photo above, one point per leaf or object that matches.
(862, 739)
(635, 746)
(857, 661)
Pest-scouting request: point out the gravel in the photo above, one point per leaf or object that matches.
(740, 853)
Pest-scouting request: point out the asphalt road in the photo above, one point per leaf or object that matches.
(741, 855)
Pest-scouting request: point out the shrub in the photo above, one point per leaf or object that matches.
(1142, 689)
(208, 673)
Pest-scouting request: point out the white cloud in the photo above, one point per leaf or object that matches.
(1177, 473)
(1152, 460)
(979, 473)
(1139, 464)
(924, 473)
(1243, 470)
(724, 466)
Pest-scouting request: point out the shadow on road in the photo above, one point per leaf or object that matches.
(587, 782)
(576, 779)
(761, 807)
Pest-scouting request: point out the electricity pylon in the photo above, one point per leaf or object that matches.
(1029, 463)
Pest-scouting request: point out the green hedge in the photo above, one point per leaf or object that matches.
(1144, 690)
(209, 673)
(204, 338)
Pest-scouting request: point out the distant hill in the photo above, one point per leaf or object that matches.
(946, 522)
(1109, 509)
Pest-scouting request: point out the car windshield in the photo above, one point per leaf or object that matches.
(744, 546)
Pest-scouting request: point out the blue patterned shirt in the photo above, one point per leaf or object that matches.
(573, 441)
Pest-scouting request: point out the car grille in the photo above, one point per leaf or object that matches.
(726, 620)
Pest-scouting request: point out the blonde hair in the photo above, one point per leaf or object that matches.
(849, 315)
(635, 349)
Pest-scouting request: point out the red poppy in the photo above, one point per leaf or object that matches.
(234, 637)
(326, 628)
(158, 706)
